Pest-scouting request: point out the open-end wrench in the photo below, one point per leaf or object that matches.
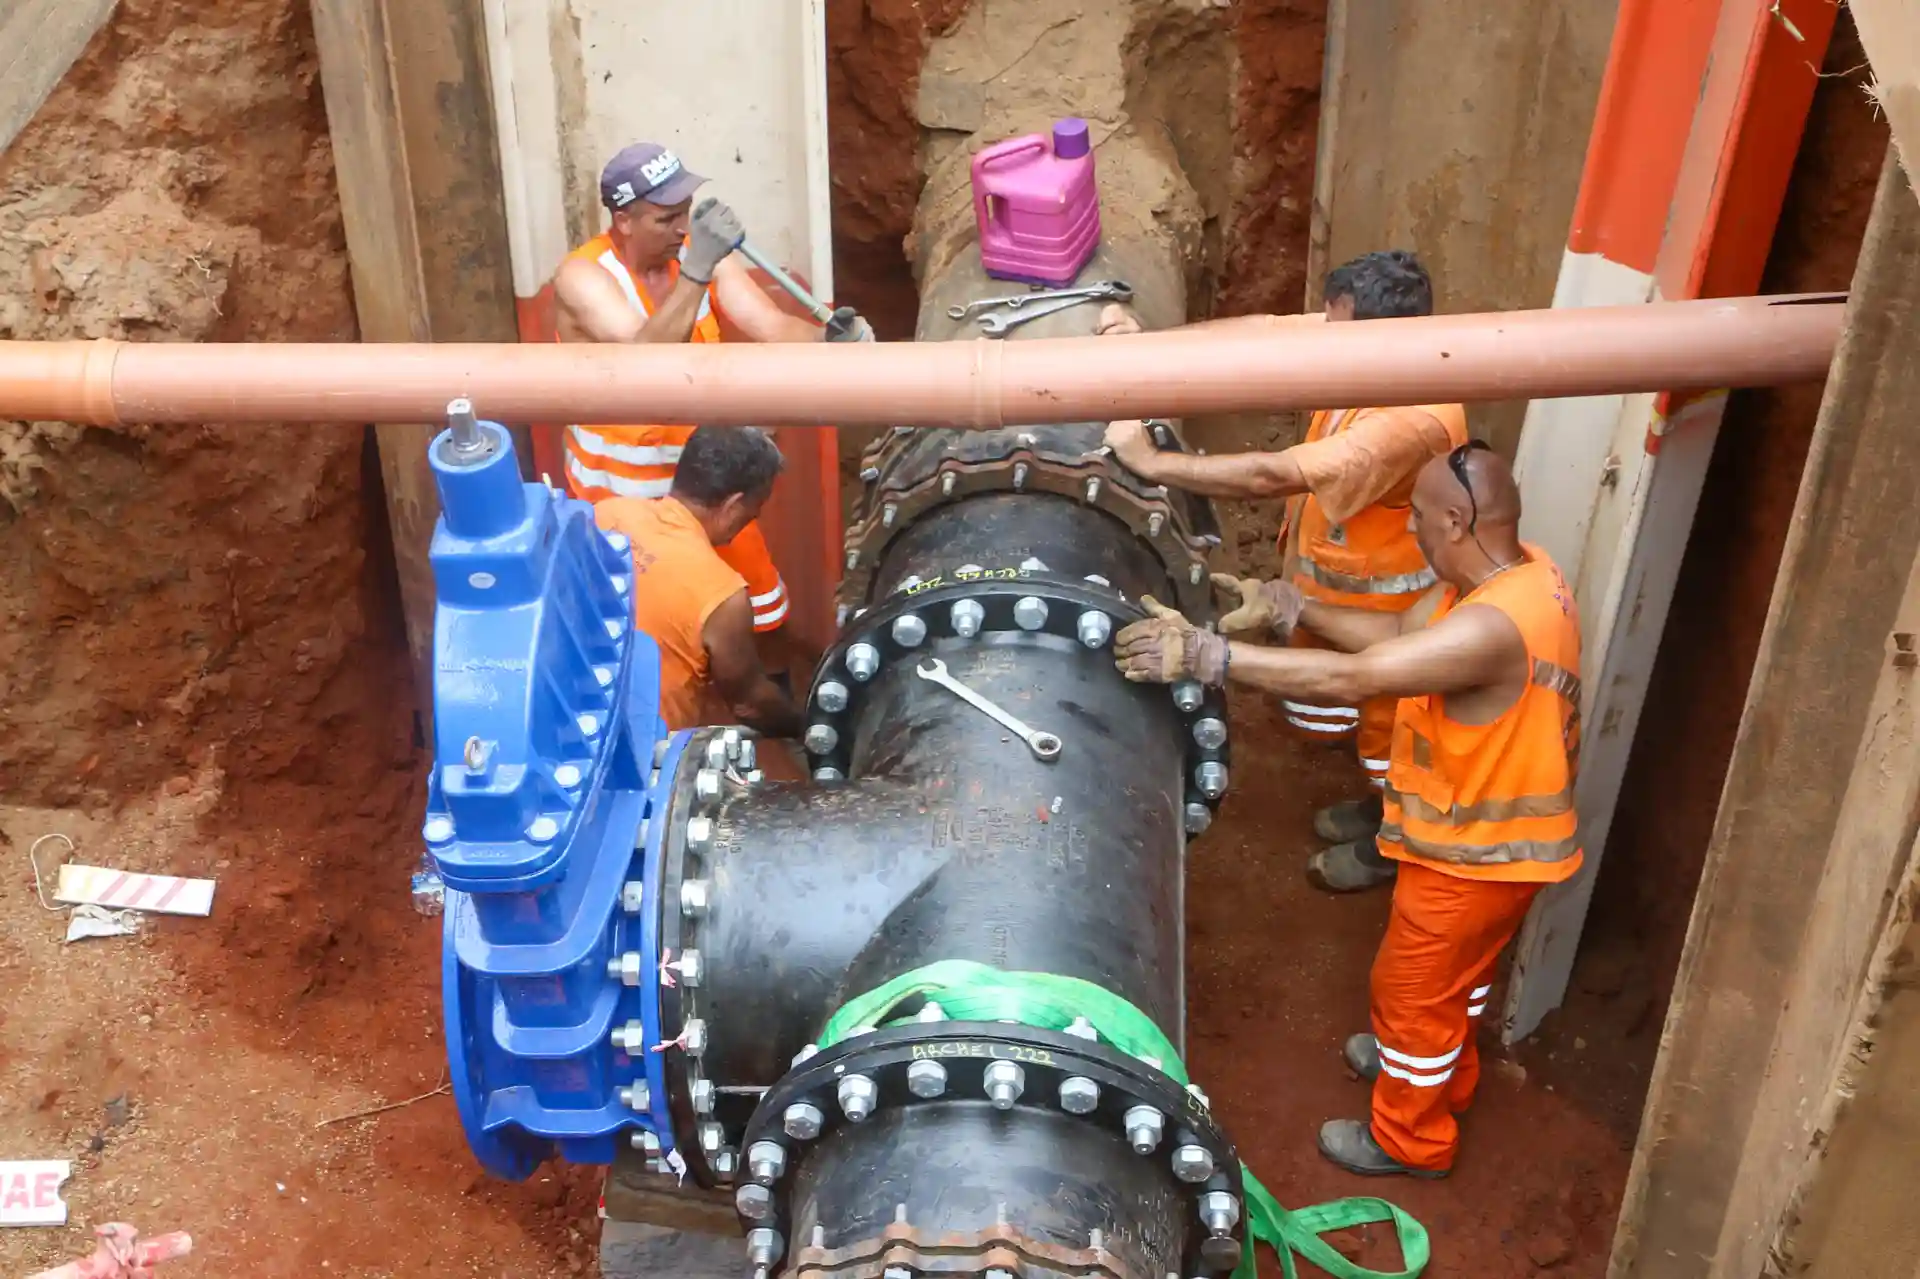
(1117, 290)
(999, 323)
(1045, 745)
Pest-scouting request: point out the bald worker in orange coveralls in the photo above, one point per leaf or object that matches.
(1344, 539)
(1479, 809)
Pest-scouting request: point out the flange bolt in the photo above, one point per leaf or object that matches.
(699, 834)
(967, 617)
(700, 1092)
(1188, 694)
(1219, 1211)
(690, 967)
(765, 1246)
(803, 1121)
(712, 1137)
(1199, 817)
(926, 1079)
(1005, 1082)
(1030, 612)
(694, 898)
(629, 1038)
(1211, 778)
(1209, 734)
(636, 1096)
(832, 697)
(827, 773)
(858, 1095)
(706, 786)
(1079, 1095)
(693, 1036)
(822, 738)
(1094, 628)
(1144, 1125)
(863, 660)
(1192, 1164)
(909, 630)
(625, 968)
(766, 1160)
(754, 1201)
(644, 1140)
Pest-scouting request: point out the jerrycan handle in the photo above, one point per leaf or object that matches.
(995, 154)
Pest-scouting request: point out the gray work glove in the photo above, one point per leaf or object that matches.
(714, 233)
(846, 325)
(1259, 605)
(1163, 647)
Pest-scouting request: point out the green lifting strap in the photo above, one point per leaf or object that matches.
(968, 991)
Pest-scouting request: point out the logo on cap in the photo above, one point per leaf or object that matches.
(660, 168)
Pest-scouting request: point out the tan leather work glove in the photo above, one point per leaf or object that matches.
(1164, 646)
(1259, 605)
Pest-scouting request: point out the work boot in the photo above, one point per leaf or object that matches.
(1349, 1144)
(1362, 1055)
(1350, 820)
(1349, 868)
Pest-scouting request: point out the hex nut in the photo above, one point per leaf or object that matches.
(1094, 628)
(1188, 694)
(802, 1121)
(862, 661)
(765, 1246)
(1005, 1082)
(1211, 778)
(767, 1160)
(630, 1037)
(1219, 1211)
(1030, 612)
(926, 1079)
(691, 969)
(699, 834)
(909, 629)
(1209, 734)
(625, 968)
(1144, 1125)
(633, 897)
(712, 1137)
(695, 895)
(821, 738)
(1192, 1164)
(832, 697)
(700, 1092)
(706, 785)
(967, 617)
(693, 1036)
(858, 1095)
(645, 1141)
(1079, 1095)
(1199, 817)
(754, 1201)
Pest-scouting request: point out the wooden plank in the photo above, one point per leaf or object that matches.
(1890, 30)
(40, 40)
(634, 1194)
(1854, 1215)
(1846, 942)
(411, 120)
(1855, 535)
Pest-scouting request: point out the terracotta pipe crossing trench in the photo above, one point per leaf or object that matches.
(1661, 346)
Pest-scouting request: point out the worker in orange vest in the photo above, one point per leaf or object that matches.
(1479, 793)
(688, 598)
(1344, 535)
(664, 272)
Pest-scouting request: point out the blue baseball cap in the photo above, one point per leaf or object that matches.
(646, 171)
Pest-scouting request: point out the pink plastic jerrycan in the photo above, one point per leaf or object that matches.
(1037, 205)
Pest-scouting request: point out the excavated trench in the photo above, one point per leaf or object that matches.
(210, 611)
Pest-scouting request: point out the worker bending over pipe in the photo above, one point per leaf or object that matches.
(688, 598)
(1343, 540)
(665, 272)
(1479, 793)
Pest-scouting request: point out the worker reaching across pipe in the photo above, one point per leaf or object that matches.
(691, 601)
(1479, 808)
(665, 271)
(1344, 537)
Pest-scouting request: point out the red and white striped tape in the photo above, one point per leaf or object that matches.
(129, 890)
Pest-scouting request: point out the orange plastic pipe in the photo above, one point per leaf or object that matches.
(1662, 346)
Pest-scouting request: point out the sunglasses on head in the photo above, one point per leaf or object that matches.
(1457, 463)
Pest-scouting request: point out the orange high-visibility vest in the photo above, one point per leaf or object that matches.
(630, 461)
(1495, 801)
(1371, 561)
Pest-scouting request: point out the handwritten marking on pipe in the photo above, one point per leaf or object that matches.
(975, 1048)
(30, 1192)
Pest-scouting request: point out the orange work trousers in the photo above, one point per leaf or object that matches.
(1369, 726)
(1431, 983)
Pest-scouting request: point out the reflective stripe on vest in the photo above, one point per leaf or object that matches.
(624, 278)
(1391, 584)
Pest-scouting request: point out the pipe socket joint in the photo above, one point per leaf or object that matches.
(1094, 628)
(802, 1121)
(1030, 612)
(1192, 1164)
(832, 697)
(1144, 1127)
(863, 659)
(1079, 1095)
(967, 617)
(1005, 1082)
(927, 1079)
(858, 1096)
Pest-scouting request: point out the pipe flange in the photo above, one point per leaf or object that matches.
(982, 602)
(1182, 540)
(1060, 1071)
